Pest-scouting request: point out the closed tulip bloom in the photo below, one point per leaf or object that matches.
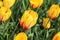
(57, 36)
(21, 36)
(8, 3)
(53, 11)
(28, 19)
(1, 3)
(46, 23)
(36, 3)
(5, 13)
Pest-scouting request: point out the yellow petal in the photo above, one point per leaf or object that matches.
(21, 36)
(59, 10)
(35, 17)
(7, 15)
(8, 3)
(1, 3)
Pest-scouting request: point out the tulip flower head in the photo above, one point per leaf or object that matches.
(46, 23)
(36, 3)
(28, 19)
(21, 36)
(57, 36)
(53, 11)
(8, 3)
(5, 13)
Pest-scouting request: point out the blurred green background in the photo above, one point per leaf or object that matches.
(11, 27)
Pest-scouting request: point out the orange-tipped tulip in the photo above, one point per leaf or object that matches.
(21, 36)
(5, 13)
(46, 23)
(57, 36)
(53, 11)
(36, 3)
(8, 3)
(29, 19)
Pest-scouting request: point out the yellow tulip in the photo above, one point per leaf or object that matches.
(57, 36)
(28, 19)
(5, 13)
(1, 3)
(36, 3)
(21, 36)
(53, 11)
(8, 3)
(46, 23)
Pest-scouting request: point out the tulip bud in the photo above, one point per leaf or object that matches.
(36, 3)
(57, 36)
(21, 36)
(28, 19)
(5, 13)
(53, 11)
(8, 3)
(46, 23)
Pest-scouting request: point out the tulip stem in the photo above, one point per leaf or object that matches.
(47, 34)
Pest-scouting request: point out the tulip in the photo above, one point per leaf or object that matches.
(21, 36)
(46, 23)
(53, 11)
(8, 3)
(57, 36)
(28, 19)
(36, 3)
(1, 3)
(5, 13)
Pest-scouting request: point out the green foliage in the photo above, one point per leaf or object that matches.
(11, 27)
